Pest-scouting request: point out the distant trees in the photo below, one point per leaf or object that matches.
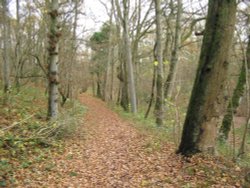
(168, 85)
(99, 43)
(131, 59)
(207, 99)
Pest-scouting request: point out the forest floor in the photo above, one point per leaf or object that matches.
(108, 151)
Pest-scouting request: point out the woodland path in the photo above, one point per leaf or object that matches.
(108, 152)
(114, 154)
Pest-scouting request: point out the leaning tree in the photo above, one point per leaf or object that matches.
(207, 101)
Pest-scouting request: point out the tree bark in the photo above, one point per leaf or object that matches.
(107, 76)
(53, 61)
(124, 100)
(247, 68)
(152, 94)
(207, 100)
(6, 48)
(128, 55)
(17, 49)
(159, 112)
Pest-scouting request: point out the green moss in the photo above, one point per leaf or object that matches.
(233, 105)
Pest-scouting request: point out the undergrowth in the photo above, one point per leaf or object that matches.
(230, 148)
(26, 137)
(171, 132)
(160, 135)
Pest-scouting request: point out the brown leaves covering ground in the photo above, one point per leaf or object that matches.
(109, 152)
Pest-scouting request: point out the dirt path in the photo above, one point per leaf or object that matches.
(113, 154)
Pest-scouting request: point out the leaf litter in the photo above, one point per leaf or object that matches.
(108, 152)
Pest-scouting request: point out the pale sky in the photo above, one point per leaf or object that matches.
(96, 14)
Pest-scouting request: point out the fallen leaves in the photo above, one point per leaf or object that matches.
(114, 154)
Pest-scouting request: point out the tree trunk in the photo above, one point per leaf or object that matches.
(233, 105)
(6, 48)
(124, 100)
(99, 86)
(106, 80)
(152, 94)
(207, 100)
(17, 50)
(175, 53)
(53, 61)
(112, 77)
(130, 70)
(247, 68)
(159, 112)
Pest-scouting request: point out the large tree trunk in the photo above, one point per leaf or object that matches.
(175, 53)
(159, 112)
(6, 48)
(53, 61)
(207, 100)
(128, 55)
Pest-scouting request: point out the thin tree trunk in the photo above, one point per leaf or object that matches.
(175, 53)
(107, 73)
(17, 50)
(112, 78)
(99, 86)
(207, 101)
(53, 61)
(6, 48)
(247, 68)
(152, 94)
(70, 84)
(159, 112)
(169, 37)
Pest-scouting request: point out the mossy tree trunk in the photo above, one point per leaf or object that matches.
(242, 148)
(233, 105)
(53, 60)
(159, 112)
(17, 47)
(6, 48)
(207, 101)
